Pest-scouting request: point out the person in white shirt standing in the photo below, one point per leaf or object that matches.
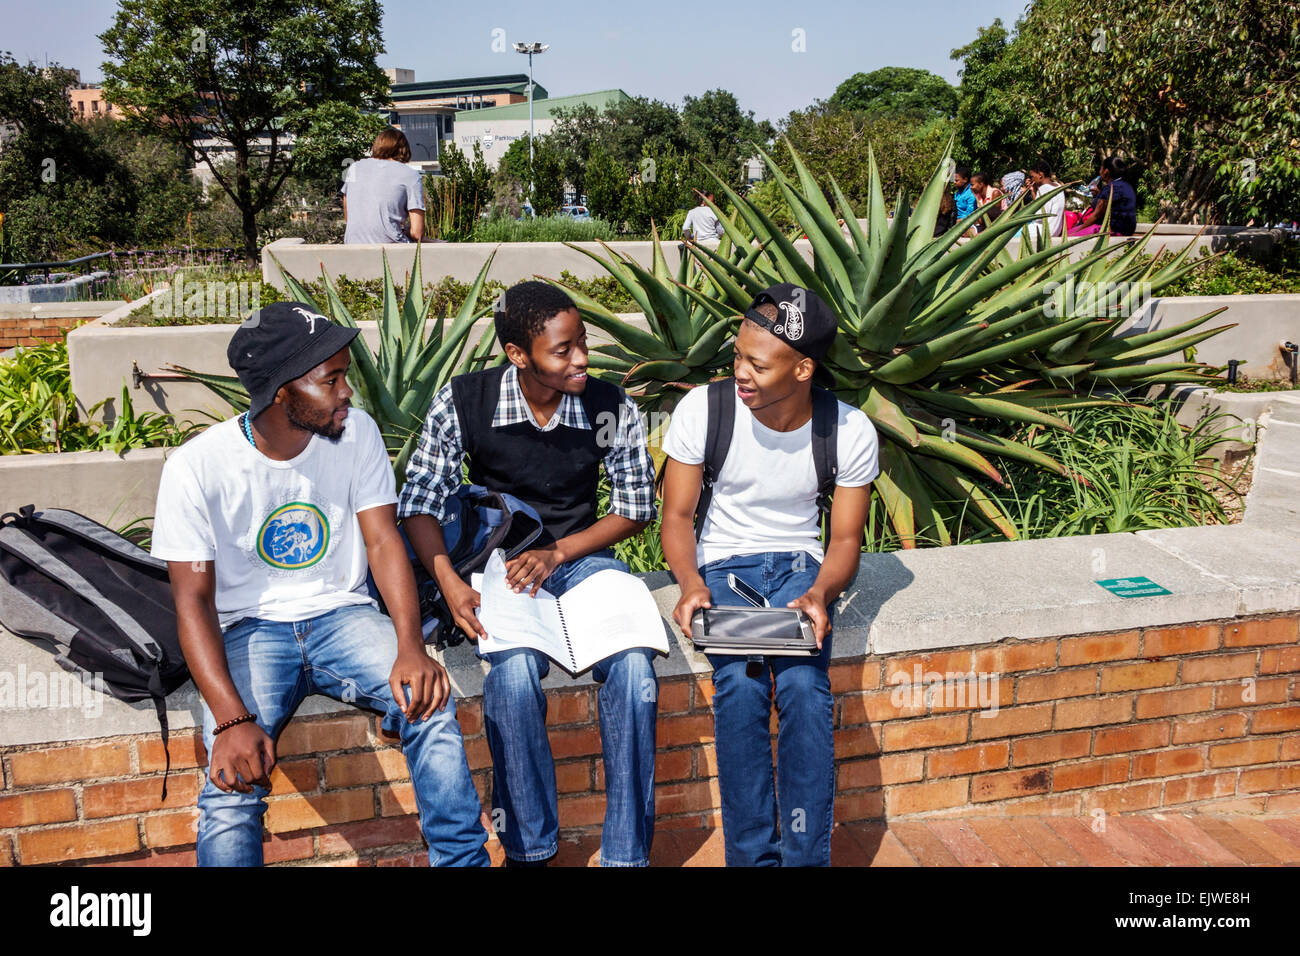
(762, 526)
(267, 522)
(702, 222)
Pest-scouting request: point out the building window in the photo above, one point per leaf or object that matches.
(94, 106)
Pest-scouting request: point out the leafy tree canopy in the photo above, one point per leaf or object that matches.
(252, 72)
(897, 91)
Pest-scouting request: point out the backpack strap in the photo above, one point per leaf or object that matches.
(717, 442)
(825, 432)
(94, 533)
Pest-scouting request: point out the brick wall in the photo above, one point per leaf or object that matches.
(33, 331)
(1201, 716)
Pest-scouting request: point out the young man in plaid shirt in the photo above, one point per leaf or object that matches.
(539, 429)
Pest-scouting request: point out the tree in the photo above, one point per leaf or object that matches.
(576, 134)
(164, 191)
(60, 190)
(337, 135)
(627, 132)
(254, 73)
(897, 91)
(607, 188)
(662, 186)
(833, 142)
(720, 135)
(546, 174)
(1001, 120)
(1205, 92)
(456, 198)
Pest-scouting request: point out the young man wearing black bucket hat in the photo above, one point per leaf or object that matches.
(762, 526)
(268, 522)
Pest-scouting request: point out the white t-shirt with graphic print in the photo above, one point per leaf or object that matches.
(765, 496)
(283, 535)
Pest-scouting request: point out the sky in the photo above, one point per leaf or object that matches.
(655, 49)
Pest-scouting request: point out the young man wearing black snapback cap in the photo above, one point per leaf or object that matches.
(267, 522)
(762, 526)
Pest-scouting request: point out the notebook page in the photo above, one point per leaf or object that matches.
(610, 612)
(517, 620)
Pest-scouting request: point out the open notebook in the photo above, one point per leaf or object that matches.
(607, 613)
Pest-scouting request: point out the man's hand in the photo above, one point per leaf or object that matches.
(463, 601)
(427, 679)
(242, 756)
(813, 604)
(693, 598)
(531, 568)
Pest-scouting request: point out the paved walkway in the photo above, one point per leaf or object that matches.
(1159, 839)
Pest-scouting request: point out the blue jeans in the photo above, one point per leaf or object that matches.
(347, 654)
(523, 771)
(791, 827)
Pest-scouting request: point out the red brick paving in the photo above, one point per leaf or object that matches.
(1151, 839)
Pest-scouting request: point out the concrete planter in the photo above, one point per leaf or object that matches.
(515, 261)
(67, 291)
(103, 356)
(109, 488)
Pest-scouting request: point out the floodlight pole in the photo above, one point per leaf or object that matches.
(530, 49)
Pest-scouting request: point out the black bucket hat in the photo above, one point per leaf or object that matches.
(281, 342)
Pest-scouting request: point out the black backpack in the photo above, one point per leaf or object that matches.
(722, 421)
(102, 602)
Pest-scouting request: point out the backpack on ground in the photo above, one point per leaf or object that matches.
(104, 604)
(722, 421)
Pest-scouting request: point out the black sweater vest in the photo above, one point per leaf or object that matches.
(555, 471)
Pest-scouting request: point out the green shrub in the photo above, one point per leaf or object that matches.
(1236, 274)
(38, 410)
(550, 229)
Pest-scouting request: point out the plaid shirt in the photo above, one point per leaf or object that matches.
(433, 472)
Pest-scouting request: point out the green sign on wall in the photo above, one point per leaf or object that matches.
(1133, 587)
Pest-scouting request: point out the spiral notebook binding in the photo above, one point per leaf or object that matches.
(564, 627)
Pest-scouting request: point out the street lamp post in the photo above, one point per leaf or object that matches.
(530, 49)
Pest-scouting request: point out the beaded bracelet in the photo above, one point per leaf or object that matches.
(241, 719)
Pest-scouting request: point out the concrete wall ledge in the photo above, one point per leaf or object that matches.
(914, 601)
(102, 354)
(514, 261)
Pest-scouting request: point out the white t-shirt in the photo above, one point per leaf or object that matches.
(1054, 210)
(283, 535)
(701, 223)
(765, 497)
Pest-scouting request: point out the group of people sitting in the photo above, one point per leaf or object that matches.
(1111, 191)
(271, 521)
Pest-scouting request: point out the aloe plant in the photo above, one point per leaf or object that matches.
(415, 359)
(689, 341)
(941, 342)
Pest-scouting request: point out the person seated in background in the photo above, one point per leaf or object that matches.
(1012, 185)
(382, 192)
(985, 193)
(947, 217)
(963, 196)
(701, 222)
(1115, 189)
(1044, 181)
